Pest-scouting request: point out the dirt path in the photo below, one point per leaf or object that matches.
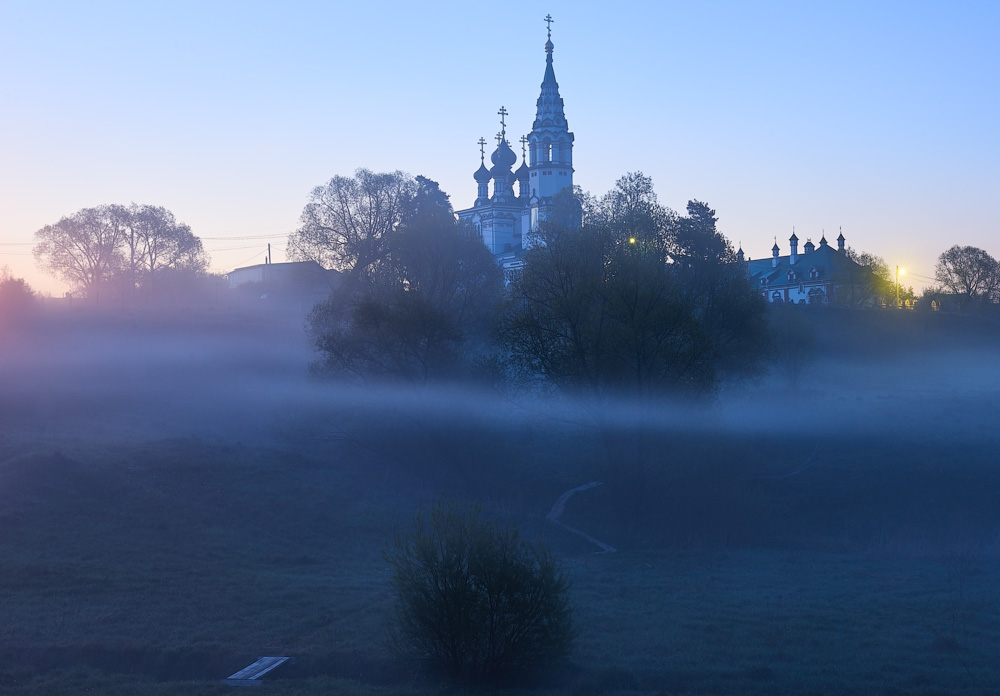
(560, 505)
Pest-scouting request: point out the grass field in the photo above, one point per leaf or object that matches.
(169, 512)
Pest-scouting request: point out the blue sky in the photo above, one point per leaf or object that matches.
(877, 118)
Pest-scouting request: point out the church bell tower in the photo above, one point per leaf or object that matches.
(550, 142)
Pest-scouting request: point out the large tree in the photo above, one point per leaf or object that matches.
(423, 313)
(970, 273)
(715, 287)
(347, 222)
(155, 246)
(85, 249)
(156, 242)
(637, 302)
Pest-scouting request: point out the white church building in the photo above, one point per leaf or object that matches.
(506, 217)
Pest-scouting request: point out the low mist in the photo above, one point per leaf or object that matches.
(244, 375)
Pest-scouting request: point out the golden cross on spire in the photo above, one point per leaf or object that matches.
(548, 24)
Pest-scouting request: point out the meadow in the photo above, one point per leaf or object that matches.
(178, 497)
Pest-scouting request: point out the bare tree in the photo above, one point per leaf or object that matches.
(130, 246)
(346, 223)
(157, 242)
(425, 313)
(970, 273)
(85, 249)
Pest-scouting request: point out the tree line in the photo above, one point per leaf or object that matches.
(360, 225)
(120, 252)
(618, 294)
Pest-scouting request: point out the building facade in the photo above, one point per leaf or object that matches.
(817, 275)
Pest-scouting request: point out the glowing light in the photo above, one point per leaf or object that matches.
(631, 240)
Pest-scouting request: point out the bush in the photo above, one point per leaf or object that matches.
(16, 296)
(475, 600)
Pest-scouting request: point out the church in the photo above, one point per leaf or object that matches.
(510, 202)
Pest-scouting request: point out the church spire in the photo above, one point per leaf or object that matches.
(550, 104)
(551, 143)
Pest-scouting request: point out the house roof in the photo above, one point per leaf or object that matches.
(829, 263)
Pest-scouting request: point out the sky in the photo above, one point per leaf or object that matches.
(880, 119)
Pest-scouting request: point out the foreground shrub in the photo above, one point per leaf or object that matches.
(475, 600)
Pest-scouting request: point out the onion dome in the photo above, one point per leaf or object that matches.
(503, 156)
(521, 173)
(482, 174)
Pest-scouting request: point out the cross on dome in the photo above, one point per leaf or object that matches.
(548, 24)
(503, 123)
(482, 149)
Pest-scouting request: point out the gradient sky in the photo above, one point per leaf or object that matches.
(880, 118)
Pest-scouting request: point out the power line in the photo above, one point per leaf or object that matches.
(244, 238)
(252, 246)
